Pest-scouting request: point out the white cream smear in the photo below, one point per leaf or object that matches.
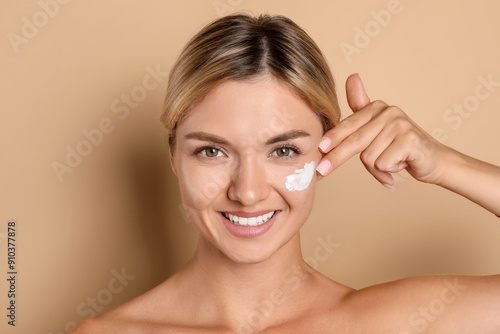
(301, 178)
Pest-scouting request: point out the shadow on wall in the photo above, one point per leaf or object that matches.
(130, 234)
(169, 239)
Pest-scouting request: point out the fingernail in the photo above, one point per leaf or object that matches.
(388, 186)
(324, 144)
(323, 167)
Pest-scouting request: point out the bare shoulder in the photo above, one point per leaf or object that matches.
(151, 313)
(89, 326)
(110, 325)
(120, 321)
(113, 324)
(130, 317)
(431, 304)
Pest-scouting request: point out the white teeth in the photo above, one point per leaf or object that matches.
(250, 221)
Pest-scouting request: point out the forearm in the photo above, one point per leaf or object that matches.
(474, 179)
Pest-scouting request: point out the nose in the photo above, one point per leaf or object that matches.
(249, 184)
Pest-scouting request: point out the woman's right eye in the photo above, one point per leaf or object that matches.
(210, 152)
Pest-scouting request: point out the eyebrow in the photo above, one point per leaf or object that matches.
(287, 136)
(204, 136)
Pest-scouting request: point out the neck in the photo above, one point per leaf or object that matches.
(250, 295)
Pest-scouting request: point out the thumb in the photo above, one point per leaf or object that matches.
(356, 94)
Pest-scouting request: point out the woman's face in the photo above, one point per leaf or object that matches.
(232, 157)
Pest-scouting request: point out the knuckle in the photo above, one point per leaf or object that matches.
(355, 138)
(401, 123)
(411, 137)
(380, 165)
(379, 104)
(394, 112)
(346, 123)
(366, 158)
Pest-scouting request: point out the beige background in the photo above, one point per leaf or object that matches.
(118, 209)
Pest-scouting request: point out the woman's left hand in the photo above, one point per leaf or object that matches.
(386, 138)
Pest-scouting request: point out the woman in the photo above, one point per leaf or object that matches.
(253, 123)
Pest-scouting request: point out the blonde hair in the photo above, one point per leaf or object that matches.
(242, 47)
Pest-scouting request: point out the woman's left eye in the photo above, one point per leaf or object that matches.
(285, 152)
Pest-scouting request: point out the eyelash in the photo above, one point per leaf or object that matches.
(293, 148)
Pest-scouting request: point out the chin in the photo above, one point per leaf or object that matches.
(249, 244)
(253, 251)
(249, 255)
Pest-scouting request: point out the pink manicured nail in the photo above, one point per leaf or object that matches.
(323, 167)
(324, 144)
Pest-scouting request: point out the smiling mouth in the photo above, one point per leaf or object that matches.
(249, 221)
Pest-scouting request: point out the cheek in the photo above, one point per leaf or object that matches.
(297, 184)
(199, 186)
(301, 178)
(298, 189)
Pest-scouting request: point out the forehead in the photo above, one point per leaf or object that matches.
(241, 109)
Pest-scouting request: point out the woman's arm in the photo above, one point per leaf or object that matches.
(473, 179)
(388, 142)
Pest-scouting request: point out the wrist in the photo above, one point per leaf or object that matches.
(453, 168)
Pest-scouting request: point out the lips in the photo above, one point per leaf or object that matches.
(249, 224)
(249, 220)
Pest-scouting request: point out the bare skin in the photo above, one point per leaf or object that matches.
(262, 284)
